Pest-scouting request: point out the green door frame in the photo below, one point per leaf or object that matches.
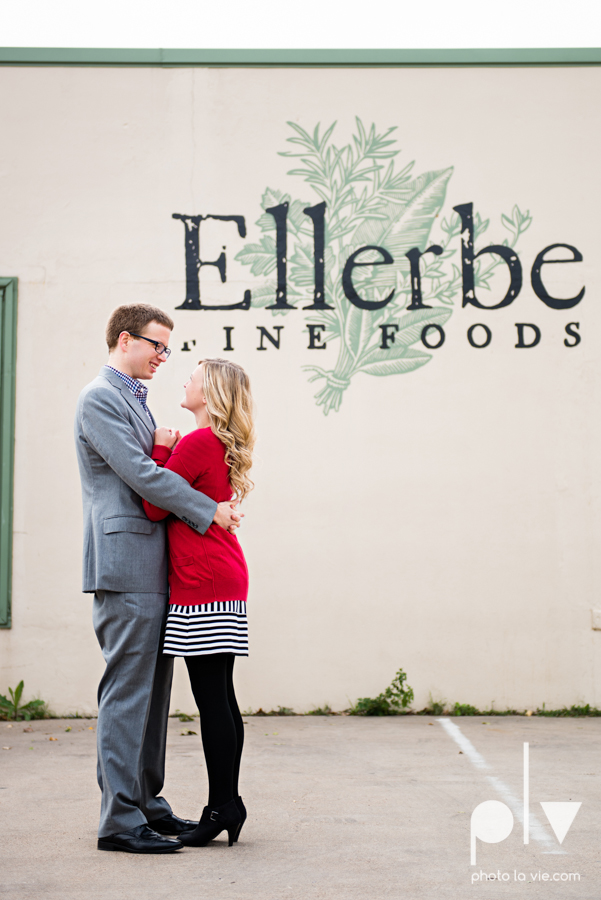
(8, 362)
(92, 56)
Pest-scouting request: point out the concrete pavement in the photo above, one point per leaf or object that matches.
(339, 808)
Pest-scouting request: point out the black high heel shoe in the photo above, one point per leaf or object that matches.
(242, 810)
(212, 823)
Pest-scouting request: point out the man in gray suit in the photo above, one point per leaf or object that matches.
(125, 567)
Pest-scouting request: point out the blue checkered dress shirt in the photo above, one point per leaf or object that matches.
(139, 391)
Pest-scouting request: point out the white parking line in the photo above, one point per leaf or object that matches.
(537, 829)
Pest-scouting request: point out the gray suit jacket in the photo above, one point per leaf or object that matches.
(122, 549)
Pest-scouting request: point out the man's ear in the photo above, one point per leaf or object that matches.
(123, 341)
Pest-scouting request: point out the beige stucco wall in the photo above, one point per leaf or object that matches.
(446, 520)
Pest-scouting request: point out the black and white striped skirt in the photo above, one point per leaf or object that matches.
(219, 627)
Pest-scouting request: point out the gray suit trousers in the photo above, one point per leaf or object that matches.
(133, 705)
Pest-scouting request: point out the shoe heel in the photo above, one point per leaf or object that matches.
(242, 810)
(232, 834)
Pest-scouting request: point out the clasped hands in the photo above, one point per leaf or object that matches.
(167, 437)
(226, 514)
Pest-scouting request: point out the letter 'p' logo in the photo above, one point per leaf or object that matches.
(492, 822)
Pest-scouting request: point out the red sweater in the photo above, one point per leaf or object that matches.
(203, 568)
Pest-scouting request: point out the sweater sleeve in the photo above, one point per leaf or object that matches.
(160, 455)
(185, 460)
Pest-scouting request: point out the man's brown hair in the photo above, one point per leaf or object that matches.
(134, 318)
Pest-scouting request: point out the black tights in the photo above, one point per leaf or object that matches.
(222, 729)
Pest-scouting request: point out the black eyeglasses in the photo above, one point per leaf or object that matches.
(160, 348)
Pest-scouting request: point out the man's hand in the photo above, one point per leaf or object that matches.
(227, 516)
(166, 437)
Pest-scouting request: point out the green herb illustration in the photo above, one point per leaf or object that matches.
(368, 204)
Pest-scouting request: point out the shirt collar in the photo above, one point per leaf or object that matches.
(139, 390)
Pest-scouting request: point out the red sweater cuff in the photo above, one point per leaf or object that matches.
(160, 454)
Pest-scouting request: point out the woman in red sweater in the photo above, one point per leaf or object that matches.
(208, 578)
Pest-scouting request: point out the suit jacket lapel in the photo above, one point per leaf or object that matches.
(129, 398)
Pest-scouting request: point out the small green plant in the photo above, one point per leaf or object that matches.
(325, 710)
(434, 707)
(391, 702)
(282, 711)
(183, 717)
(572, 711)
(466, 709)
(13, 708)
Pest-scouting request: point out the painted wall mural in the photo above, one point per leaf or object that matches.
(361, 249)
(428, 484)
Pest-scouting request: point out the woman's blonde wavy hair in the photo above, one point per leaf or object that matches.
(230, 408)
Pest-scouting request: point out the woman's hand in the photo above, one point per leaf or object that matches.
(228, 516)
(166, 437)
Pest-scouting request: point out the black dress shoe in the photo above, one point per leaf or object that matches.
(171, 824)
(140, 839)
